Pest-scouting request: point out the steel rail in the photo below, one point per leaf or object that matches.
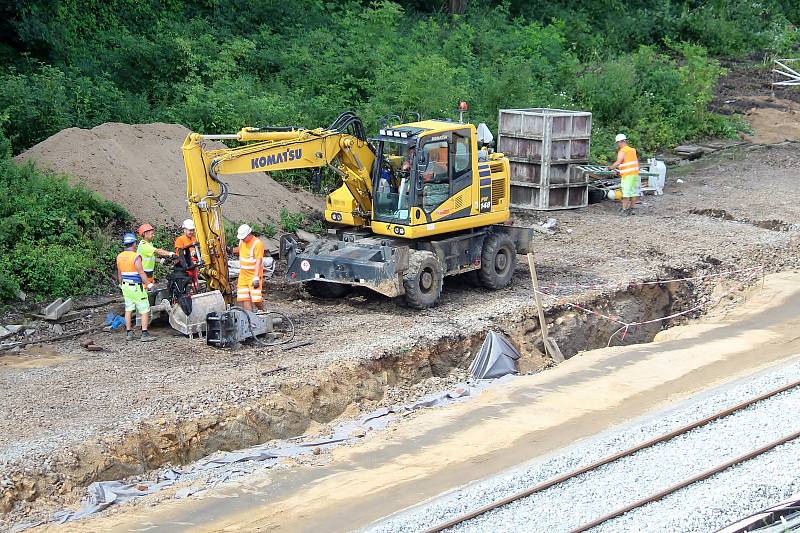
(685, 483)
(610, 459)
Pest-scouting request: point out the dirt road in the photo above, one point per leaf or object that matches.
(440, 449)
(71, 417)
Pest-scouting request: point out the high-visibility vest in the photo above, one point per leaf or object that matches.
(126, 264)
(630, 161)
(183, 242)
(251, 255)
(148, 252)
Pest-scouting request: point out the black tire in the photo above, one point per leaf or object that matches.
(498, 261)
(328, 289)
(423, 280)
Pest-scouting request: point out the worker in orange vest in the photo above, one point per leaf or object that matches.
(186, 250)
(627, 164)
(251, 269)
(133, 282)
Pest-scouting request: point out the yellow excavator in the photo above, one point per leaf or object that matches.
(418, 202)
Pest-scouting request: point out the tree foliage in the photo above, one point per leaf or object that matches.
(217, 66)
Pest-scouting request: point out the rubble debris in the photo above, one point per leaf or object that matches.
(4, 332)
(272, 246)
(690, 151)
(57, 309)
(293, 345)
(14, 328)
(273, 370)
(306, 235)
(29, 332)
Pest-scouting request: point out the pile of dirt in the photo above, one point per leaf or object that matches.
(140, 166)
(773, 120)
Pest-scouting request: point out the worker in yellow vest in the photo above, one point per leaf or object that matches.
(251, 269)
(133, 283)
(627, 164)
(148, 251)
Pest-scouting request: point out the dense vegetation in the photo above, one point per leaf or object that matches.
(214, 65)
(645, 67)
(54, 238)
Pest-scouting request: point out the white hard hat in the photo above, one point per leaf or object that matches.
(620, 137)
(188, 224)
(243, 231)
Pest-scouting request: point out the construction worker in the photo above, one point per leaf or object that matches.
(627, 164)
(148, 251)
(131, 278)
(251, 269)
(185, 248)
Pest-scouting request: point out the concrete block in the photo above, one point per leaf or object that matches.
(57, 309)
(4, 332)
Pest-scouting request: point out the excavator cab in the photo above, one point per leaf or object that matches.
(427, 180)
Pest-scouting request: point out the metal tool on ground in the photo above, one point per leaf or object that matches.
(550, 346)
(228, 329)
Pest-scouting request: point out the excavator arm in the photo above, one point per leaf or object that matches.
(348, 154)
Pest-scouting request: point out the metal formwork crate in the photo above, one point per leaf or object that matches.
(546, 174)
(538, 198)
(544, 136)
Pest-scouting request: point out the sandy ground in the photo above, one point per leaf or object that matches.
(440, 449)
(140, 166)
(71, 416)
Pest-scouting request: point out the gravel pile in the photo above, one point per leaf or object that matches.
(705, 506)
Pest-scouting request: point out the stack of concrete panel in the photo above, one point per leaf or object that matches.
(544, 147)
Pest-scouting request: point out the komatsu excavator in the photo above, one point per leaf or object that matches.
(418, 202)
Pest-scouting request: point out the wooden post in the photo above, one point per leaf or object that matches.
(550, 347)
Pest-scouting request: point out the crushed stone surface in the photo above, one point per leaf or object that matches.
(56, 397)
(703, 506)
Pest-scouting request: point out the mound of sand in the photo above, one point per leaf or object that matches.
(140, 166)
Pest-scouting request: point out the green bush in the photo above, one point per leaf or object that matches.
(55, 239)
(291, 222)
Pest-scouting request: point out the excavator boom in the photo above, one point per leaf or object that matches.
(267, 150)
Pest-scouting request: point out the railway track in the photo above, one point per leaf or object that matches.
(683, 430)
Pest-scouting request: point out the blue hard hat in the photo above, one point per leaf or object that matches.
(128, 238)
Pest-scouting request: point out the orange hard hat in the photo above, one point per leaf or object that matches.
(144, 228)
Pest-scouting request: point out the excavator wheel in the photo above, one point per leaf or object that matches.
(498, 260)
(328, 289)
(423, 280)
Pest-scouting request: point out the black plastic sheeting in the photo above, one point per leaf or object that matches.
(496, 358)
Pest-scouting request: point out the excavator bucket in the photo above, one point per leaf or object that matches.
(202, 305)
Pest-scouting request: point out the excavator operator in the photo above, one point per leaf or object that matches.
(186, 250)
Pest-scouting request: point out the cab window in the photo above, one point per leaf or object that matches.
(433, 174)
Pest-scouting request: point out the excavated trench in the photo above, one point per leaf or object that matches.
(291, 410)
